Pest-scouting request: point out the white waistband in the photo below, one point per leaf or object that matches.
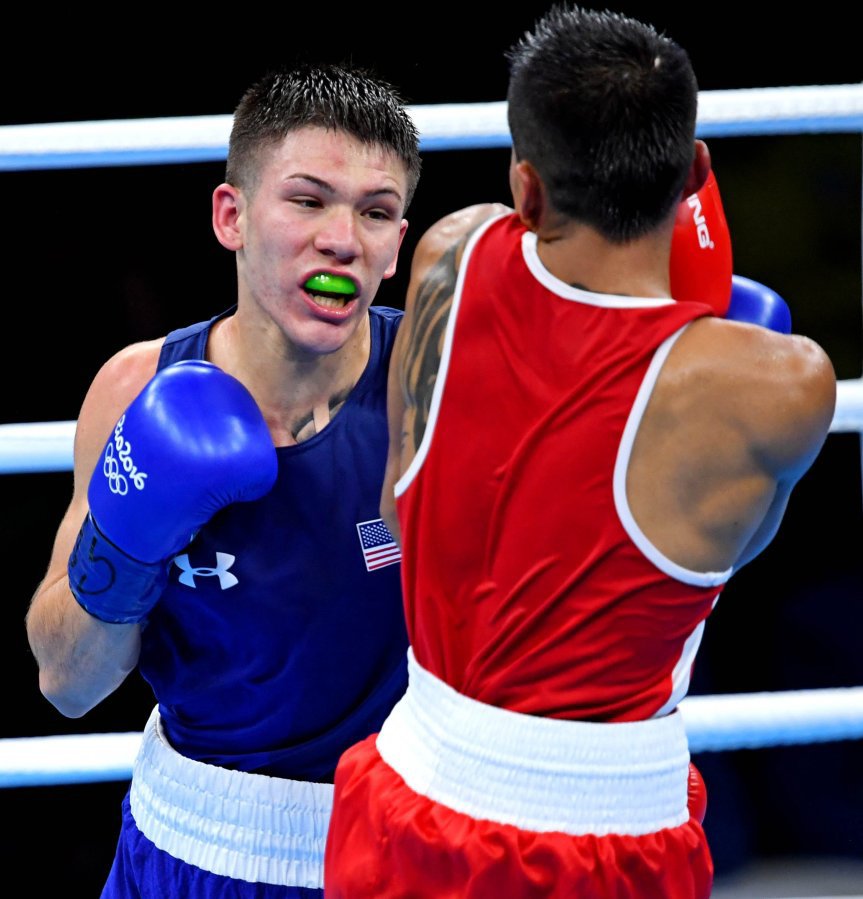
(539, 774)
(245, 826)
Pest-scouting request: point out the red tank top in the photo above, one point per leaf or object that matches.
(527, 584)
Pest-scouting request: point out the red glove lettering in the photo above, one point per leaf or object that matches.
(701, 263)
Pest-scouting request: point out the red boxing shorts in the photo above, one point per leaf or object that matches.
(455, 799)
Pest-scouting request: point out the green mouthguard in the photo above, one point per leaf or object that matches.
(324, 283)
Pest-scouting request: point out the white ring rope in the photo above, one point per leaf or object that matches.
(444, 126)
(47, 446)
(713, 723)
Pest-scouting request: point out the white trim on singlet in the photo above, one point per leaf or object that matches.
(680, 677)
(568, 292)
(547, 280)
(624, 452)
(537, 774)
(681, 674)
(443, 367)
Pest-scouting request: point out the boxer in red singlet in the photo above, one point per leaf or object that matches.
(584, 447)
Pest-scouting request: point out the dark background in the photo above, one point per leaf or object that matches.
(96, 258)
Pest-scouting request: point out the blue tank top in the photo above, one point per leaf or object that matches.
(280, 639)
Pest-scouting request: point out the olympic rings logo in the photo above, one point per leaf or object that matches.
(118, 466)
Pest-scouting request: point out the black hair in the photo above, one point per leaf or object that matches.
(604, 108)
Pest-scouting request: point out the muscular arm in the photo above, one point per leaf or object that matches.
(419, 344)
(81, 659)
(791, 425)
(737, 417)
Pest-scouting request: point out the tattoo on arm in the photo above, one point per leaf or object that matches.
(432, 306)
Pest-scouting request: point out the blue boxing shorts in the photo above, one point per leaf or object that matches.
(203, 832)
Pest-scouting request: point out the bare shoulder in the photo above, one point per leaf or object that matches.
(455, 225)
(451, 231)
(119, 380)
(781, 362)
(779, 389)
(434, 274)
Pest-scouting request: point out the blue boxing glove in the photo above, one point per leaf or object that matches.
(759, 305)
(192, 442)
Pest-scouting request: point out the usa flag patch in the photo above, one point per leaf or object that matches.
(379, 547)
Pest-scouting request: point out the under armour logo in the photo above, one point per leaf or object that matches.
(223, 562)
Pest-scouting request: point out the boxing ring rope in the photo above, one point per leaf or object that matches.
(47, 446)
(713, 723)
(443, 126)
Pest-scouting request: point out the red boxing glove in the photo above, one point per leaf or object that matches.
(696, 795)
(701, 264)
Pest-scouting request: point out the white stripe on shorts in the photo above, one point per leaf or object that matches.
(538, 774)
(246, 826)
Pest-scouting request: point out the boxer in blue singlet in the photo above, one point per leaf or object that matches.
(224, 534)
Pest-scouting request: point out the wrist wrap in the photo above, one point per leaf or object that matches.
(110, 585)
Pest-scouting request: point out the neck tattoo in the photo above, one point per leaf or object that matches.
(317, 418)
